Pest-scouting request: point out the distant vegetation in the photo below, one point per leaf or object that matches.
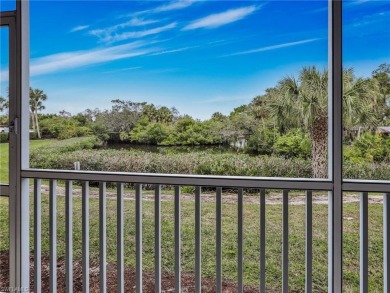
(289, 121)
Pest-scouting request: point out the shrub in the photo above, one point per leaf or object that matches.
(364, 170)
(368, 148)
(33, 135)
(190, 163)
(3, 136)
(294, 144)
(262, 141)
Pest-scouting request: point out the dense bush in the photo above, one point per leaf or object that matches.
(293, 144)
(262, 141)
(364, 170)
(33, 135)
(368, 148)
(63, 155)
(192, 163)
(186, 131)
(3, 136)
(63, 127)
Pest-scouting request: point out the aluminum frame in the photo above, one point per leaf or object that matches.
(18, 192)
(18, 22)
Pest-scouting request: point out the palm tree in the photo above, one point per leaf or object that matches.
(303, 102)
(164, 115)
(37, 97)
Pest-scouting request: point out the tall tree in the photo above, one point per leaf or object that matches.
(37, 97)
(381, 76)
(303, 102)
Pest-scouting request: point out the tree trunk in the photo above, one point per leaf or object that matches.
(32, 120)
(37, 125)
(319, 147)
(359, 132)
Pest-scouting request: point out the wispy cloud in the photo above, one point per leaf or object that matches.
(346, 5)
(356, 2)
(77, 59)
(274, 47)
(133, 22)
(108, 36)
(175, 5)
(124, 69)
(223, 18)
(79, 28)
(172, 51)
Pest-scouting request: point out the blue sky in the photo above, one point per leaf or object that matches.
(199, 56)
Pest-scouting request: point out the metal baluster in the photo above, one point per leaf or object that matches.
(198, 243)
(103, 235)
(219, 239)
(386, 242)
(69, 236)
(119, 239)
(53, 235)
(177, 240)
(157, 239)
(309, 241)
(37, 235)
(138, 236)
(262, 241)
(85, 234)
(363, 242)
(240, 285)
(285, 242)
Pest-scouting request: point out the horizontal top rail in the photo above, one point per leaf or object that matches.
(208, 180)
(182, 179)
(366, 185)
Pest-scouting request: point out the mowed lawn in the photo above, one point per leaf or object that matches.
(251, 240)
(4, 156)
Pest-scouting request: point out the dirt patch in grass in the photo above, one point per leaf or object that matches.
(168, 280)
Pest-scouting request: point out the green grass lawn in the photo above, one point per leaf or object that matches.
(4, 156)
(251, 240)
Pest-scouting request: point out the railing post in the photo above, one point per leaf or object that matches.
(364, 242)
(309, 242)
(335, 154)
(386, 242)
(19, 149)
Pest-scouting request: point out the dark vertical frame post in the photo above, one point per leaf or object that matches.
(335, 154)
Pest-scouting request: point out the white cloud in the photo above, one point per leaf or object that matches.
(79, 28)
(274, 47)
(124, 69)
(76, 59)
(175, 5)
(133, 22)
(109, 36)
(172, 51)
(219, 19)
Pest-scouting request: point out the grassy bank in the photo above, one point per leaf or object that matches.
(4, 157)
(251, 240)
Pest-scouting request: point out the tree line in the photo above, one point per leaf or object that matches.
(289, 119)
